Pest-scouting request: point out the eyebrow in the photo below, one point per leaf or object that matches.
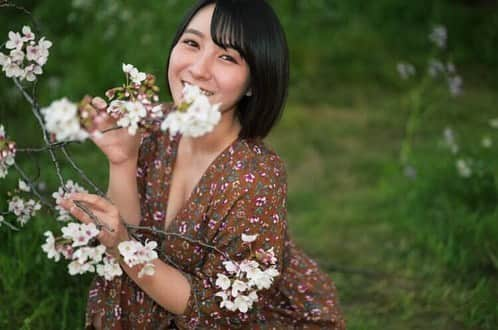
(194, 31)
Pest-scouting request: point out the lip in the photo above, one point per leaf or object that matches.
(205, 91)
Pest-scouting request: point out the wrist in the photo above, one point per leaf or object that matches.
(126, 163)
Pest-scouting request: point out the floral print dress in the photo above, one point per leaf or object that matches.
(242, 191)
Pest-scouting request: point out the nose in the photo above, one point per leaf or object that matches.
(201, 67)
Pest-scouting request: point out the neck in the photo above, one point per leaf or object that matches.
(222, 135)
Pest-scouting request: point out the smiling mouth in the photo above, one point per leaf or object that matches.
(203, 91)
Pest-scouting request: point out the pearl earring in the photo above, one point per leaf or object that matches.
(249, 93)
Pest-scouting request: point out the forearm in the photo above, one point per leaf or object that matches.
(168, 286)
(123, 191)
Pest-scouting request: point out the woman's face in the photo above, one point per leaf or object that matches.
(197, 60)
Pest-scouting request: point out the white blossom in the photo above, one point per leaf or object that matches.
(76, 268)
(17, 56)
(59, 195)
(27, 34)
(223, 282)
(13, 70)
(242, 303)
(249, 238)
(31, 71)
(133, 113)
(49, 247)
(493, 122)
(4, 59)
(109, 268)
(231, 267)
(61, 119)
(435, 68)
(449, 139)
(26, 57)
(136, 76)
(238, 286)
(15, 41)
(463, 168)
(79, 234)
(486, 142)
(199, 117)
(438, 36)
(23, 186)
(7, 153)
(148, 269)
(406, 70)
(455, 85)
(87, 254)
(24, 210)
(135, 253)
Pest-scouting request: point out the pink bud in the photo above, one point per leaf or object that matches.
(99, 103)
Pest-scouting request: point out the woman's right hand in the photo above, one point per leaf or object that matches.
(116, 143)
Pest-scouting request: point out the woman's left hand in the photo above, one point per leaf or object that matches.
(113, 230)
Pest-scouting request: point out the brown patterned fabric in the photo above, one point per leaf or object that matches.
(244, 190)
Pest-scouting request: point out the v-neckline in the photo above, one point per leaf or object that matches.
(174, 156)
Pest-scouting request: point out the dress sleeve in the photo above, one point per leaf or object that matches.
(258, 208)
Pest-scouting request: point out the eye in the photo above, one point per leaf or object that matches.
(190, 43)
(228, 58)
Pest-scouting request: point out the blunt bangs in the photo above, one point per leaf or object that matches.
(227, 27)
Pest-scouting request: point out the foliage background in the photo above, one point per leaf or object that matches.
(405, 253)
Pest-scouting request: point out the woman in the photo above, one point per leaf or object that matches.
(211, 189)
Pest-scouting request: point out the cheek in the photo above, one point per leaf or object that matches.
(175, 66)
(234, 84)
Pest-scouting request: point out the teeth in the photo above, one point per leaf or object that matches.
(203, 91)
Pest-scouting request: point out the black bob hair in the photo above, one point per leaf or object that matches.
(252, 28)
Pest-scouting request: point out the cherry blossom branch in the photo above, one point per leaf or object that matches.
(189, 239)
(50, 146)
(32, 187)
(8, 224)
(81, 173)
(36, 111)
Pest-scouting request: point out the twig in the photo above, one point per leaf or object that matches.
(81, 173)
(32, 186)
(92, 216)
(191, 240)
(8, 224)
(50, 146)
(36, 111)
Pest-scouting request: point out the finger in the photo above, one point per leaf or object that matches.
(79, 214)
(95, 201)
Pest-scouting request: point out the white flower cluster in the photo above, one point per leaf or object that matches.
(132, 72)
(195, 116)
(464, 167)
(405, 70)
(135, 253)
(61, 120)
(439, 36)
(22, 209)
(73, 245)
(130, 114)
(26, 57)
(493, 123)
(135, 103)
(239, 289)
(449, 140)
(59, 195)
(7, 153)
(437, 68)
